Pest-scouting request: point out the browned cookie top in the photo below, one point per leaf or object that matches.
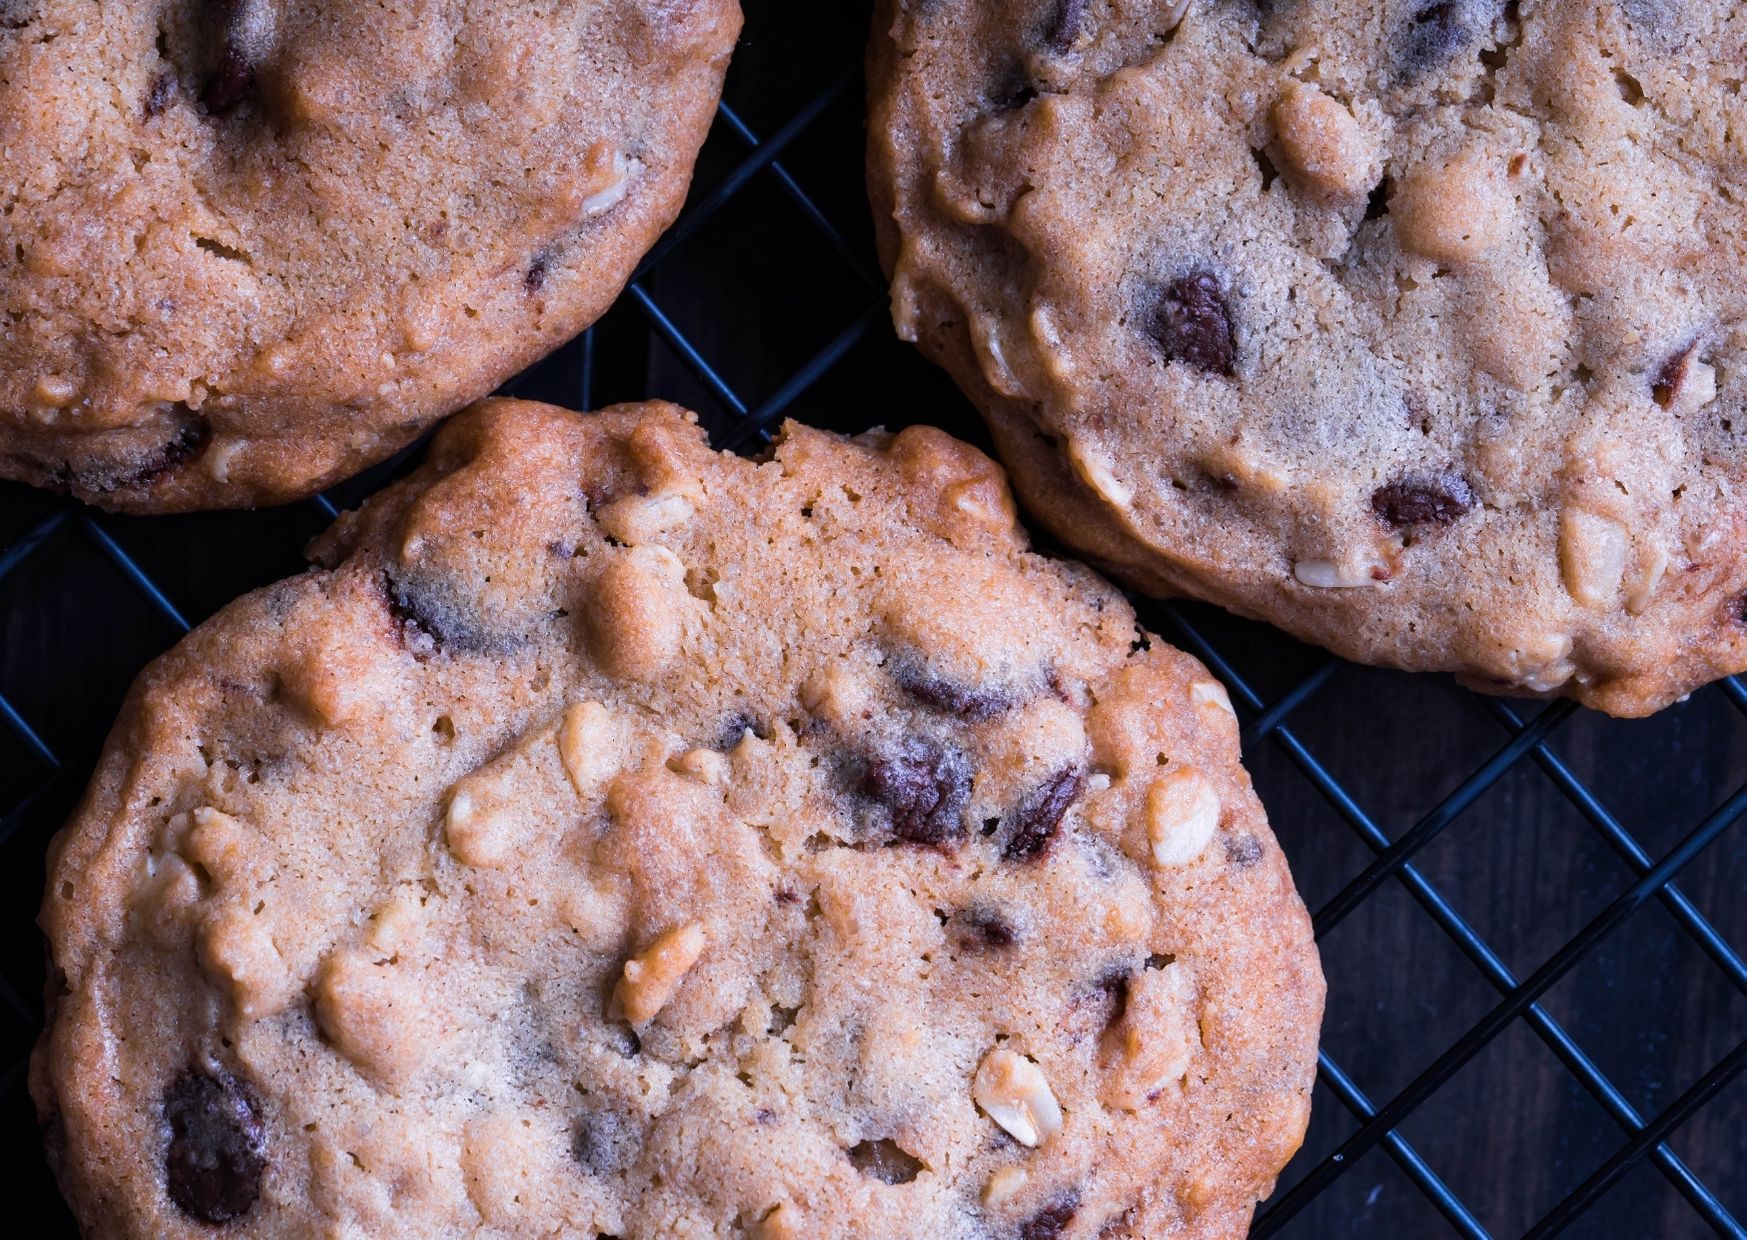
(615, 838)
(1414, 326)
(248, 247)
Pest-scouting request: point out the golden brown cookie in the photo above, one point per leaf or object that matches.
(249, 247)
(1411, 326)
(610, 836)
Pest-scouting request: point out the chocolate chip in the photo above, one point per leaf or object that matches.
(247, 27)
(1012, 90)
(1243, 851)
(1064, 26)
(158, 98)
(430, 618)
(967, 702)
(1191, 323)
(1425, 500)
(535, 279)
(924, 787)
(1036, 820)
(217, 1146)
(1051, 1221)
(181, 445)
(1669, 380)
(884, 1161)
(980, 928)
(604, 1144)
(1436, 33)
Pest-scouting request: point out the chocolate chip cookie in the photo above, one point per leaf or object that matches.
(610, 837)
(249, 247)
(1412, 326)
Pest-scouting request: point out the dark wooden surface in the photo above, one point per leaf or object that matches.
(760, 292)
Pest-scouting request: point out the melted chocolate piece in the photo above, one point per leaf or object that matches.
(1191, 323)
(1243, 851)
(884, 1161)
(217, 1146)
(1064, 26)
(924, 786)
(1051, 1221)
(158, 98)
(1040, 815)
(965, 701)
(981, 928)
(1437, 33)
(604, 1143)
(1436, 500)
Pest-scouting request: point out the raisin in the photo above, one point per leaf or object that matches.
(1064, 26)
(924, 787)
(1039, 816)
(1192, 324)
(217, 1146)
(1437, 500)
(885, 1161)
(1051, 1221)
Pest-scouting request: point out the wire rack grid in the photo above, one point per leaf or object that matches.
(1583, 1078)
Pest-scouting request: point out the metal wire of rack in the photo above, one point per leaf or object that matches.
(763, 302)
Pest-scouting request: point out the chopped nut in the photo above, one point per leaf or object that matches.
(1339, 574)
(704, 765)
(1094, 470)
(1012, 1091)
(236, 948)
(1324, 143)
(589, 745)
(1652, 564)
(651, 978)
(1454, 213)
(1182, 813)
(611, 179)
(635, 617)
(215, 843)
(635, 519)
(1002, 1186)
(1211, 693)
(782, 1223)
(1592, 556)
(479, 827)
(1155, 1040)
(54, 391)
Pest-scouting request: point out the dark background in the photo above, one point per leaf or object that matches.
(1460, 867)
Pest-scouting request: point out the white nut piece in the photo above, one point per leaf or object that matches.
(1002, 1186)
(589, 745)
(705, 766)
(635, 519)
(1182, 813)
(651, 977)
(479, 827)
(1013, 1092)
(614, 181)
(1211, 693)
(1324, 143)
(1337, 574)
(1592, 556)
(636, 617)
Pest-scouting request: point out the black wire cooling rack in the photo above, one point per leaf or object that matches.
(1531, 1029)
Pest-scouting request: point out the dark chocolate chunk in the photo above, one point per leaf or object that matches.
(1243, 851)
(535, 279)
(216, 1150)
(884, 1161)
(245, 32)
(1435, 500)
(1039, 816)
(1438, 32)
(967, 702)
(158, 97)
(1064, 26)
(181, 445)
(1191, 323)
(924, 786)
(1051, 1221)
(1012, 90)
(979, 928)
(604, 1143)
(430, 618)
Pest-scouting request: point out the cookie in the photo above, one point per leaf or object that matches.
(248, 248)
(610, 837)
(1411, 326)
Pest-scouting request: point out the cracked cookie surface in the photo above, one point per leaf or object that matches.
(611, 837)
(249, 247)
(1412, 326)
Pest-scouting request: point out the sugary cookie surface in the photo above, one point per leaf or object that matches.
(614, 838)
(1413, 326)
(248, 247)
